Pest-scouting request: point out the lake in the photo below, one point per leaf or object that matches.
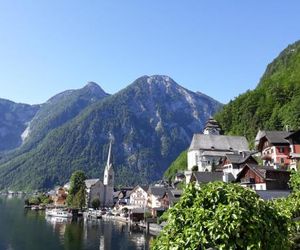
(22, 229)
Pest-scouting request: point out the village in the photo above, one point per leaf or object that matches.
(211, 157)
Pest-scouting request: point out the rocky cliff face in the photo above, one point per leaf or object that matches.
(14, 118)
(152, 121)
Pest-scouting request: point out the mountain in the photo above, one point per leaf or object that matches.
(14, 118)
(152, 121)
(60, 109)
(273, 104)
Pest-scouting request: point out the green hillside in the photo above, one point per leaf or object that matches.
(180, 164)
(273, 104)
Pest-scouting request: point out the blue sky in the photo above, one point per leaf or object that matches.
(220, 48)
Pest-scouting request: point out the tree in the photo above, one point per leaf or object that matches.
(223, 216)
(77, 192)
(195, 168)
(96, 203)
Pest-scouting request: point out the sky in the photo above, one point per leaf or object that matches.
(220, 48)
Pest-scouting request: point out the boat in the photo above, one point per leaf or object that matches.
(58, 213)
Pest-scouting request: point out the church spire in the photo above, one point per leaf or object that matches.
(109, 160)
(108, 179)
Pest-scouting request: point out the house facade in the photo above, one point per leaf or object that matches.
(274, 148)
(234, 163)
(139, 196)
(263, 178)
(294, 140)
(170, 197)
(155, 193)
(279, 149)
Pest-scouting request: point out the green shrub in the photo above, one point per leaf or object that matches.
(223, 216)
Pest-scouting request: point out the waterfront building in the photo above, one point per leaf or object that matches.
(155, 193)
(139, 196)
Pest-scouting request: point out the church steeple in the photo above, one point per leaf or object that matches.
(212, 127)
(108, 179)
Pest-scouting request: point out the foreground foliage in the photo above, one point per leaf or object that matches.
(224, 216)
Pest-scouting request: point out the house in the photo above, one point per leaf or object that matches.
(234, 163)
(170, 197)
(274, 148)
(179, 177)
(122, 196)
(294, 141)
(206, 177)
(59, 197)
(155, 193)
(263, 178)
(139, 196)
(207, 150)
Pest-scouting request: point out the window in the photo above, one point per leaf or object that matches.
(281, 150)
(282, 160)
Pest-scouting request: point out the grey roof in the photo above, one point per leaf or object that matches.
(174, 195)
(219, 142)
(276, 137)
(90, 182)
(205, 177)
(179, 174)
(157, 190)
(294, 134)
(238, 158)
(272, 194)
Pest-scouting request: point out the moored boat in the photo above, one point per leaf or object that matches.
(58, 213)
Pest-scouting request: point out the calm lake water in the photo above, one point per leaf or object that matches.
(22, 229)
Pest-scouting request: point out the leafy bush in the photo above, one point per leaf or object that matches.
(95, 203)
(223, 216)
(295, 181)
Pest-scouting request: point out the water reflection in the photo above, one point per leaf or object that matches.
(26, 229)
(103, 234)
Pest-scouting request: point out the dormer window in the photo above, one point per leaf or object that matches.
(212, 147)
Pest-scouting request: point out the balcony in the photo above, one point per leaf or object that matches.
(248, 181)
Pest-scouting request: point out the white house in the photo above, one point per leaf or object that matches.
(139, 196)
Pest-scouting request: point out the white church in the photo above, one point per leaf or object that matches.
(208, 149)
(96, 189)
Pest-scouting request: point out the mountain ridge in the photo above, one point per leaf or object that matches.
(150, 127)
